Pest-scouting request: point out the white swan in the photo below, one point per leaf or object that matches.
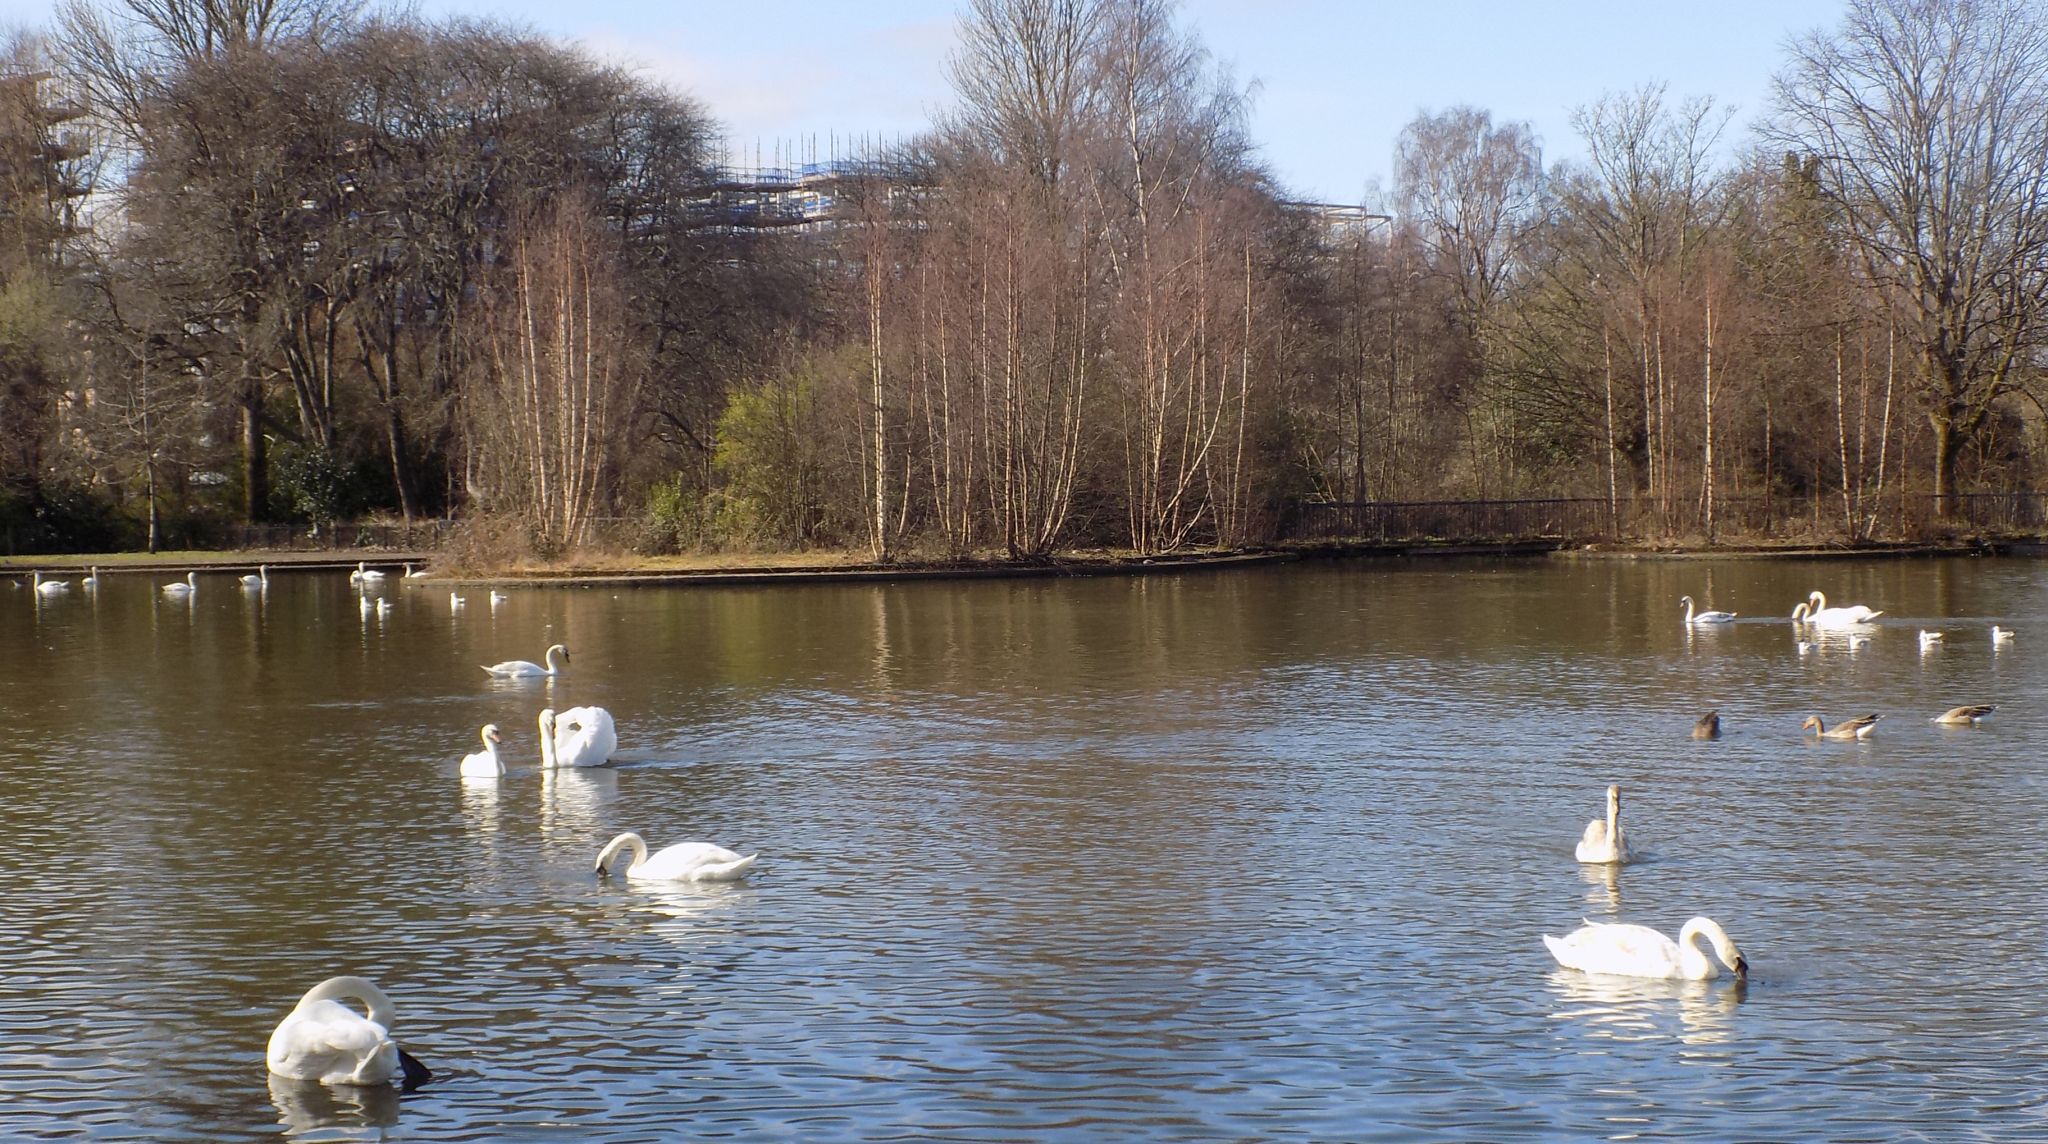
(185, 587)
(584, 737)
(412, 575)
(1639, 951)
(2000, 635)
(1928, 639)
(485, 763)
(498, 597)
(1704, 617)
(1604, 841)
(523, 669)
(327, 1041)
(92, 581)
(49, 587)
(683, 862)
(260, 579)
(1820, 615)
(454, 602)
(364, 572)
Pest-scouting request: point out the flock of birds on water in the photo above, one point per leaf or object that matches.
(324, 1040)
(1626, 950)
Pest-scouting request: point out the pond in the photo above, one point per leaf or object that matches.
(1257, 854)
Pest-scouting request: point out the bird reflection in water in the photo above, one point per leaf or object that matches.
(480, 805)
(1640, 1008)
(1603, 887)
(574, 801)
(693, 917)
(307, 1108)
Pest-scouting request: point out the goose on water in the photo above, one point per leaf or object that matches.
(1966, 715)
(1858, 728)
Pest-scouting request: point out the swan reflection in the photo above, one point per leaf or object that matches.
(1640, 1008)
(1603, 887)
(480, 805)
(307, 1108)
(575, 801)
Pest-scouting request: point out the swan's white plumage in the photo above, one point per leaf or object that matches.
(324, 1040)
(258, 579)
(1704, 617)
(2000, 635)
(1639, 951)
(1604, 840)
(185, 587)
(484, 763)
(365, 572)
(1820, 615)
(523, 668)
(585, 737)
(49, 587)
(1928, 639)
(683, 862)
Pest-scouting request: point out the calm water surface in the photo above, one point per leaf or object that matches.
(1249, 855)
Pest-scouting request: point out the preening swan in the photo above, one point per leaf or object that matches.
(485, 763)
(1820, 615)
(1858, 728)
(683, 862)
(1965, 715)
(1639, 951)
(1603, 841)
(260, 579)
(523, 668)
(327, 1041)
(49, 587)
(584, 737)
(1708, 727)
(1703, 617)
(185, 587)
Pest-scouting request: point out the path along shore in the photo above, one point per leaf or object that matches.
(843, 567)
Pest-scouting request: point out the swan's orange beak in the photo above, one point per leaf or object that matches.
(497, 738)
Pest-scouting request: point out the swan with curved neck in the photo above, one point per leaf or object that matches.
(585, 737)
(683, 862)
(185, 587)
(1820, 615)
(1603, 841)
(485, 764)
(324, 1040)
(365, 572)
(259, 579)
(524, 668)
(1704, 617)
(1639, 951)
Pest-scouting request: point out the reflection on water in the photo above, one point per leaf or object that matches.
(1251, 855)
(309, 1110)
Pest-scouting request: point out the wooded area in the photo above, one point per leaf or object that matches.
(303, 261)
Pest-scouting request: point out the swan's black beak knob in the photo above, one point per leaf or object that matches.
(1741, 969)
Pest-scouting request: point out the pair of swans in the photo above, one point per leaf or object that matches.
(1704, 617)
(1815, 611)
(578, 737)
(683, 862)
(1633, 950)
(325, 1040)
(526, 668)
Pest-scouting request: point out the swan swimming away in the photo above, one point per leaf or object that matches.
(683, 862)
(259, 579)
(1967, 715)
(485, 763)
(185, 587)
(1820, 615)
(1639, 951)
(578, 737)
(525, 669)
(1858, 728)
(324, 1040)
(1604, 841)
(1704, 617)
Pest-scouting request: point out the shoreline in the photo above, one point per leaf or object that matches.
(846, 567)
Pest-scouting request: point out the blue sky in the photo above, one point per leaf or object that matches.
(1336, 79)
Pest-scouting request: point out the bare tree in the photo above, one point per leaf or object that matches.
(1929, 122)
